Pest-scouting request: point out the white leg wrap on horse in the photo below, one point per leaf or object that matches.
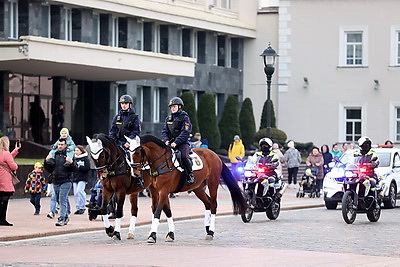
(171, 226)
(212, 223)
(118, 224)
(154, 225)
(132, 224)
(207, 217)
(106, 221)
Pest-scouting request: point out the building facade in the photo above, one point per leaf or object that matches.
(338, 70)
(88, 53)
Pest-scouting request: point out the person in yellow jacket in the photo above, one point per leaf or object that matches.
(236, 149)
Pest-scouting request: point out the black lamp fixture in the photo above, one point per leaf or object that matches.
(269, 55)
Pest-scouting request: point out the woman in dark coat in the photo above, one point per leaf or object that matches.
(80, 178)
(327, 158)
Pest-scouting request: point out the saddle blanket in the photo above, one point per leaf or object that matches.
(197, 163)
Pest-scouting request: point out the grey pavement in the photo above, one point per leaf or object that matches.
(71, 247)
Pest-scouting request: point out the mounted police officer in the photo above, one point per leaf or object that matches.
(365, 155)
(266, 155)
(126, 123)
(176, 132)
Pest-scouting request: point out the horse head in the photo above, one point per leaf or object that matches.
(136, 152)
(106, 154)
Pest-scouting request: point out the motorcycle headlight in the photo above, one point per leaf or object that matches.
(350, 174)
(249, 174)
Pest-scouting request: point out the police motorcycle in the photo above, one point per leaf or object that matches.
(259, 195)
(358, 197)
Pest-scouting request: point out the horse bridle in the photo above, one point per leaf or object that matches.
(110, 171)
(154, 172)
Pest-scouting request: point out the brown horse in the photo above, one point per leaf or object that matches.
(116, 176)
(151, 155)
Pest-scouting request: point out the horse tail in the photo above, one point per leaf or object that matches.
(239, 204)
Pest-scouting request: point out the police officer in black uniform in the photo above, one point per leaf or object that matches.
(126, 122)
(176, 132)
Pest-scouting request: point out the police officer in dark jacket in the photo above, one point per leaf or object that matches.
(176, 132)
(61, 176)
(126, 123)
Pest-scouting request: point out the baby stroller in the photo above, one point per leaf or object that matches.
(96, 201)
(308, 184)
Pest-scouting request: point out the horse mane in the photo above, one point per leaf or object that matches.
(151, 138)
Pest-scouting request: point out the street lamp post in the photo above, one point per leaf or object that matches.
(269, 56)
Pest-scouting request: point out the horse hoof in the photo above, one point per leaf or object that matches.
(131, 235)
(152, 238)
(210, 235)
(110, 231)
(170, 237)
(116, 236)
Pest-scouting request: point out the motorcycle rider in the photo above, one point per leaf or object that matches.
(365, 155)
(126, 122)
(176, 132)
(266, 155)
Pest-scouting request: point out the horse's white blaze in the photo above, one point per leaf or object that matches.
(118, 225)
(154, 225)
(132, 224)
(171, 226)
(212, 223)
(106, 221)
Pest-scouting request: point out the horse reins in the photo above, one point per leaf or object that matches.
(157, 171)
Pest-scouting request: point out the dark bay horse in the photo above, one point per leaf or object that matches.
(116, 176)
(149, 154)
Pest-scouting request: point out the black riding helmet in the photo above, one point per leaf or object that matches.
(126, 99)
(175, 101)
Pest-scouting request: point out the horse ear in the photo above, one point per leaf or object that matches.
(89, 141)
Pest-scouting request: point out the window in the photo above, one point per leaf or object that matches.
(68, 24)
(123, 32)
(104, 29)
(353, 124)
(235, 53)
(186, 44)
(144, 103)
(221, 51)
(46, 21)
(139, 35)
(163, 39)
(13, 18)
(353, 50)
(76, 25)
(160, 109)
(95, 28)
(55, 23)
(114, 33)
(201, 47)
(395, 46)
(227, 4)
(147, 36)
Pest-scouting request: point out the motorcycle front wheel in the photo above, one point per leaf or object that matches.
(349, 208)
(273, 210)
(374, 214)
(248, 213)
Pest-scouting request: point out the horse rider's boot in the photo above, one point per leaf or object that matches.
(188, 166)
(139, 182)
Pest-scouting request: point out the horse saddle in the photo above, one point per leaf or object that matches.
(197, 163)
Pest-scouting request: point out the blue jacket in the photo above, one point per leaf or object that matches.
(125, 123)
(177, 128)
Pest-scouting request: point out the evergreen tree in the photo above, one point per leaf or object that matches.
(208, 122)
(263, 123)
(190, 108)
(229, 123)
(247, 123)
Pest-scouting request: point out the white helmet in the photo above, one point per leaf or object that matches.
(363, 139)
(265, 141)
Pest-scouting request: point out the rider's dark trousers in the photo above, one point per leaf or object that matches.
(184, 149)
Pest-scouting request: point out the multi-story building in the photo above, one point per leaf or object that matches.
(88, 53)
(338, 70)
